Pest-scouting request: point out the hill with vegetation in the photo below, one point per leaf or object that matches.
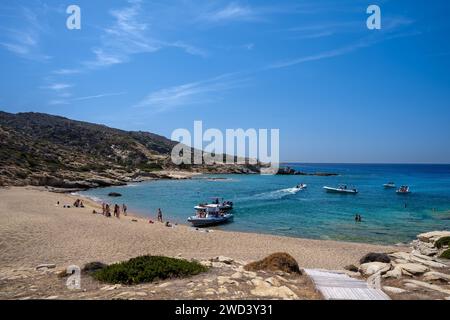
(46, 150)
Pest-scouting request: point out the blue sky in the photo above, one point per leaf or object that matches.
(337, 91)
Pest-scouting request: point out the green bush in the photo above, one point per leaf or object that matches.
(147, 269)
(446, 254)
(444, 241)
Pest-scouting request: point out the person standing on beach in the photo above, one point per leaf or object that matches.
(160, 217)
(116, 211)
(107, 210)
(124, 209)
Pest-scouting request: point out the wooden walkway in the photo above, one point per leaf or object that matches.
(339, 286)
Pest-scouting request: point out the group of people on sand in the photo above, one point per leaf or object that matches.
(78, 203)
(117, 210)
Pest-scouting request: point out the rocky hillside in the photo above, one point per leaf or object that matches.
(46, 150)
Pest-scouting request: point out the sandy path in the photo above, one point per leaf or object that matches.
(33, 231)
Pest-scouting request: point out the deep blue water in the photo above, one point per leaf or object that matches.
(267, 204)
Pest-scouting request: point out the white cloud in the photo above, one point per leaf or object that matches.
(389, 31)
(232, 11)
(58, 86)
(66, 71)
(189, 93)
(130, 34)
(24, 41)
(58, 102)
(102, 95)
(190, 49)
(64, 98)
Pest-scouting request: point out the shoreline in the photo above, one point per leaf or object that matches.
(134, 213)
(34, 231)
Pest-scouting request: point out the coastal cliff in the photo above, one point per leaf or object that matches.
(45, 150)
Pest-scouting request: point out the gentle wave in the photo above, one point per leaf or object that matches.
(277, 194)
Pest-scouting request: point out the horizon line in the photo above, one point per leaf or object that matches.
(368, 163)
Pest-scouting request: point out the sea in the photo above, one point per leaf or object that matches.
(271, 204)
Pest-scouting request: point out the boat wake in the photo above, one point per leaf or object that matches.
(277, 194)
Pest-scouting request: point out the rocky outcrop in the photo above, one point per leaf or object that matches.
(290, 171)
(226, 279)
(421, 269)
(371, 268)
(425, 243)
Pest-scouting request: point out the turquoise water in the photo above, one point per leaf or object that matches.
(267, 204)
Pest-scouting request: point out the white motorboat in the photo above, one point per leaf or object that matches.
(223, 205)
(389, 185)
(403, 190)
(210, 215)
(341, 189)
(301, 186)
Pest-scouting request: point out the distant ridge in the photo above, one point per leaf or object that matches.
(46, 150)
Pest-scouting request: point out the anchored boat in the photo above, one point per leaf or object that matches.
(223, 205)
(209, 215)
(403, 190)
(389, 185)
(341, 189)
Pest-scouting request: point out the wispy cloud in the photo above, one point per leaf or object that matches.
(123, 38)
(131, 34)
(58, 86)
(323, 55)
(66, 71)
(392, 28)
(24, 41)
(64, 98)
(232, 11)
(188, 48)
(98, 96)
(190, 93)
(57, 102)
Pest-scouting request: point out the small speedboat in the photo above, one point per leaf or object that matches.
(301, 186)
(389, 185)
(403, 190)
(210, 215)
(341, 189)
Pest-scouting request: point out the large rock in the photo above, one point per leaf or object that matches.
(375, 257)
(371, 268)
(223, 259)
(429, 263)
(45, 266)
(275, 262)
(433, 236)
(428, 286)
(425, 248)
(114, 194)
(394, 273)
(400, 255)
(413, 268)
(394, 290)
(264, 289)
(436, 276)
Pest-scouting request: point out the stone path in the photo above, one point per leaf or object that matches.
(339, 286)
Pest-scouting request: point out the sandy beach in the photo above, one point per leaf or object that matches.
(34, 230)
